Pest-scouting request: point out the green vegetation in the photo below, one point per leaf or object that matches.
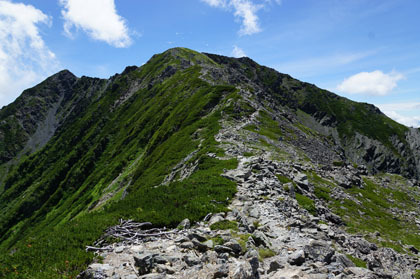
(265, 253)
(306, 203)
(225, 225)
(124, 144)
(357, 262)
(242, 239)
(322, 192)
(268, 127)
(283, 179)
(374, 213)
(217, 240)
(248, 154)
(47, 222)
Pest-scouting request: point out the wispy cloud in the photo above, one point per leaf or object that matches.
(374, 83)
(24, 57)
(410, 121)
(407, 113)
(244, 11)
(238, 52)
(407, 106)
(314, 66)
(98, 18)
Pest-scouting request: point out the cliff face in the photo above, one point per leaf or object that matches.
(156, 143)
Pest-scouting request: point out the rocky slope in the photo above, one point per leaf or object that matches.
(281, 224)
(304, 181)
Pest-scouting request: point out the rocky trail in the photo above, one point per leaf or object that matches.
(265, 233)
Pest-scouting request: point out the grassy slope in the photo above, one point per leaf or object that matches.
(49, 193)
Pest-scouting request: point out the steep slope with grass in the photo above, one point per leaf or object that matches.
(27, 124)
(146, 145)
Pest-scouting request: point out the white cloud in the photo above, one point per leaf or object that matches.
(410, 121)
(405, 113)
(374, 83)
(98, 18)
(216, 3)
(238, 52)
(411, 106)
(24, 57)
(245, 11)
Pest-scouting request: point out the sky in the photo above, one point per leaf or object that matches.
(364, 50)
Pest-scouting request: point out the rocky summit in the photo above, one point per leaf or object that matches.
(196, 165)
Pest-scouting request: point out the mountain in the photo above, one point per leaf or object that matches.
(179, 137)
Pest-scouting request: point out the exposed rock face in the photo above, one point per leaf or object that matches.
(33, 119)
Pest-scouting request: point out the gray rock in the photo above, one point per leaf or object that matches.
(153, 276)
(199, 246)
(185, 224)
(162, 268)
(191, 260)
(215, 219)
(197, 236)
(318, 276)
(145, 262)
(296, 258)
(358, 272)
(234, 245)
(243, 271)
(221, 271)
(100, 267)
(209, 243)
(222, 249)
(342, 260)
(187, 245)
(333, 218)
(301, 180)
(255, 264)
(119, 249)
(254, 213)
(274, 266)
(260, 238)
(319, 251)
(361, 245)
(182, 239)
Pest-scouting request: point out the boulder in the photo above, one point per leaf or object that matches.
(260, 238)
(197, 236)
(222, 271)
(191, 260)
(243, 271)
(222, 249)
(185, 224)
(145, 262)
(342, 260)
(319, 251)
(301, 180)
(296, 258)
(274, 266)
(234, 245)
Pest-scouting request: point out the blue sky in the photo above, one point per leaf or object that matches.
(365, 50)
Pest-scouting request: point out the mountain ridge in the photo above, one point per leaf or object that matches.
(143, 145)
